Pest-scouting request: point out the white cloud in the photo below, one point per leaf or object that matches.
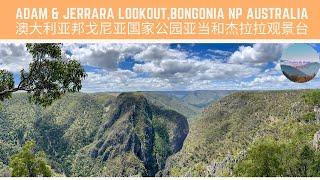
(258, 54)
(158, 52)
(14, 57)
(198, 73)
(170, 67)
(267, 79)
(201, 70)
(103, 55)
(161, 61)
(176, 65)
(123, 80)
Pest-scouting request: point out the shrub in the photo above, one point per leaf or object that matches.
(27, 163)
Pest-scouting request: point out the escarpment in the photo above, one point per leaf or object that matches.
(146, 133)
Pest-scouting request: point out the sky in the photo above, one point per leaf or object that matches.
(170, 67)
(300, 52)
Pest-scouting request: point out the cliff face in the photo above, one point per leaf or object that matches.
(135, 134)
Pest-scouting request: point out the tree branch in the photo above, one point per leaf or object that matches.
(2, 93)
(18, 88)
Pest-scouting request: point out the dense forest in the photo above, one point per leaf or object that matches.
(83, 134)
(253, 133)
(266, 133)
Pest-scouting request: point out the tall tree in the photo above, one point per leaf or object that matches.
(306, 160)
(27, 163)
(49, 75)
(263, 160)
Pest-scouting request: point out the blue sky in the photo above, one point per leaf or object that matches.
(148, 67)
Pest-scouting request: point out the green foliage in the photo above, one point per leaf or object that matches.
(6, 82)
(263, 159)
(53, 78)
(269, 157)
(71, 125)
(83, 165)
(27, 163)
(187, 103)
(312, 97)
(126, 165)
(48, 77)
(305, 162)
(6, 149)
(135, 138)
(44, 50)
(232, 124)
(68, 125)
(60, 130)
(309, 117)
(173, 103)
(162, 147)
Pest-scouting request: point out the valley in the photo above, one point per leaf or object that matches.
(166, 133)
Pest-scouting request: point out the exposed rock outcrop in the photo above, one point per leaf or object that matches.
(317, 113)
(316, 139)
(135, 129)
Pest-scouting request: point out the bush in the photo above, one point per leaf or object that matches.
(312, 97)
(263, 160)
(309, 117)
(26, 163)
(269, 157)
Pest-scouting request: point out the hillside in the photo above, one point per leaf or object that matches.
(128, 128)
(135, 139)
(67, 125)
(147, 133)
(188, 103)
(197, 99)
(225, 130)
(173, 103)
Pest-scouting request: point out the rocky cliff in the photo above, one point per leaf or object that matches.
(135, 135)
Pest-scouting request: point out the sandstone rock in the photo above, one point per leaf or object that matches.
(316, 139)
(317, 113)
